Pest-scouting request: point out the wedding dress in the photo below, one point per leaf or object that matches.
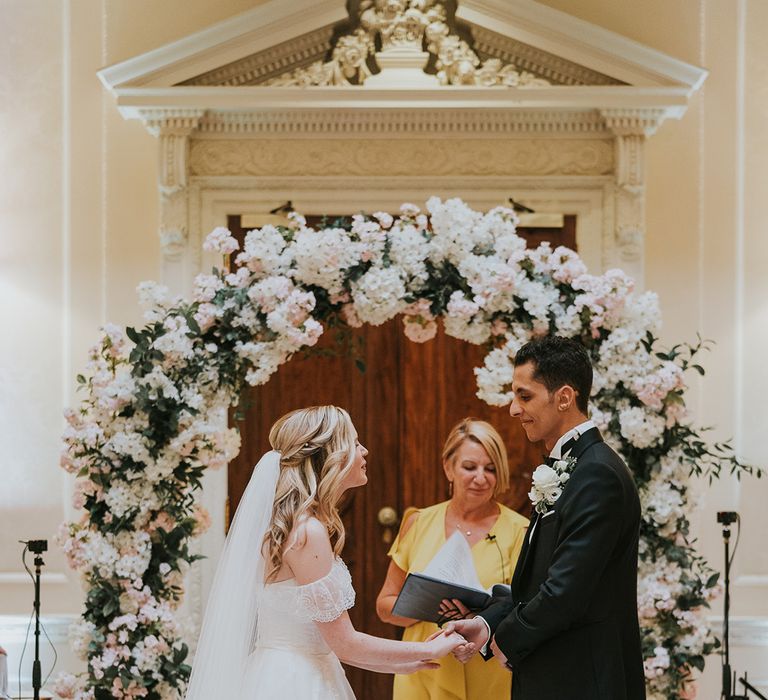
(260, 641)
(291, 659)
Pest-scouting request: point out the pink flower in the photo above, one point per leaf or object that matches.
(162, 520)
(419, 331)
(221, 240)
(349, 314)
(499, 327)
(202, 520)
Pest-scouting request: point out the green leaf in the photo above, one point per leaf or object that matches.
(133, 335)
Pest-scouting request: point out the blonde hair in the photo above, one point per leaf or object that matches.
(317, 449)
(485, 435)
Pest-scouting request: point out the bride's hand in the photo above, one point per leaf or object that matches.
(414, 666)
(444, 643)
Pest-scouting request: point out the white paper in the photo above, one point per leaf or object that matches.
(454, 563)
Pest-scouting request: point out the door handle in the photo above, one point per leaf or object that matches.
(388, 519)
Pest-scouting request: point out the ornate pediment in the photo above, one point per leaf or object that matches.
(457, 54)
(376, 58)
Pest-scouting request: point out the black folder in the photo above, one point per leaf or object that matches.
(421, 595)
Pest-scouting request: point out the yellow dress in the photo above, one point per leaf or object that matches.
(478, 679)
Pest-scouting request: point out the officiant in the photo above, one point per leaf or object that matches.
(475, 464)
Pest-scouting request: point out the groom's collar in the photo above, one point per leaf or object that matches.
(568, 441)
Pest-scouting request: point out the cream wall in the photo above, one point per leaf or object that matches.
(78, 189)
(707, 257)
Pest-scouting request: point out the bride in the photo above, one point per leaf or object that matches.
(276, 624)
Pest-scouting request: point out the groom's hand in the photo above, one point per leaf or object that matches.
(474, 630)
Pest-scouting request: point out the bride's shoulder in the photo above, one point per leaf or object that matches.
(307, 530)
(308, 536)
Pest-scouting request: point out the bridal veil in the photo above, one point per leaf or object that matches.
(228, 633)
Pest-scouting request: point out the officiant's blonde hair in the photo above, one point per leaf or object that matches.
(485, 435)
(317, 449)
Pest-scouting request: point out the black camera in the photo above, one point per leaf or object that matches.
(37, 546)
(727, 517)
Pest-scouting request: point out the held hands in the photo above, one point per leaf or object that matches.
(474, 631)
(443, 642)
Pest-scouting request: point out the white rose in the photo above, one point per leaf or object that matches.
(546, 480)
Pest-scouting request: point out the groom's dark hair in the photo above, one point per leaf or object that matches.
(559, 361)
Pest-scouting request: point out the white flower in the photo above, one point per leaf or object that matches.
(657, 664)
(379, 295)
(153, 297)
(265, 252)
(460, 307)
(455, 230)
(662, 505)
(323, 257)
(206, 286)
(221, 240)
(548, 482)
(409, 250)
(641, 427)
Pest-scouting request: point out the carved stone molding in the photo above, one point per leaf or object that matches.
(630, 162)
(631, 122)
(263, 66)
(629, 227)
(531, 157)
(402, 28)
(173, 128)
(171, 121)
(392, 123)
(543, 64)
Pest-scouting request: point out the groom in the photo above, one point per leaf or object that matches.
(569, 631)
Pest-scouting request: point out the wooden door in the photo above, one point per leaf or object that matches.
(403, 405)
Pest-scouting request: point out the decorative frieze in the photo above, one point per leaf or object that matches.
(401, 28)
(477, 157)
(394, 123)
(555, 69)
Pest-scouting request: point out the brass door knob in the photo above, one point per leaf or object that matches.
(388, 516)
(389, 519)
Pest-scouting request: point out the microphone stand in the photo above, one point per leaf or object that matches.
(727, 686)
(726, 519)
(36, 670)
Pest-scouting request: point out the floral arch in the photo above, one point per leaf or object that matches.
(154, 413)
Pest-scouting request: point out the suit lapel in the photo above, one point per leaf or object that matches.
(591, 437)
(525, 551)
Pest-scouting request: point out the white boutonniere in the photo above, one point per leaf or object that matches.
(548, 483)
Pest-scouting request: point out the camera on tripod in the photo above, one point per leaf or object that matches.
(727, 517)
(37, 546)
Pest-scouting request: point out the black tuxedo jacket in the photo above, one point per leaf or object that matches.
(570, 628)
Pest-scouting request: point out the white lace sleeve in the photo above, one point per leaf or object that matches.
(327, 598)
